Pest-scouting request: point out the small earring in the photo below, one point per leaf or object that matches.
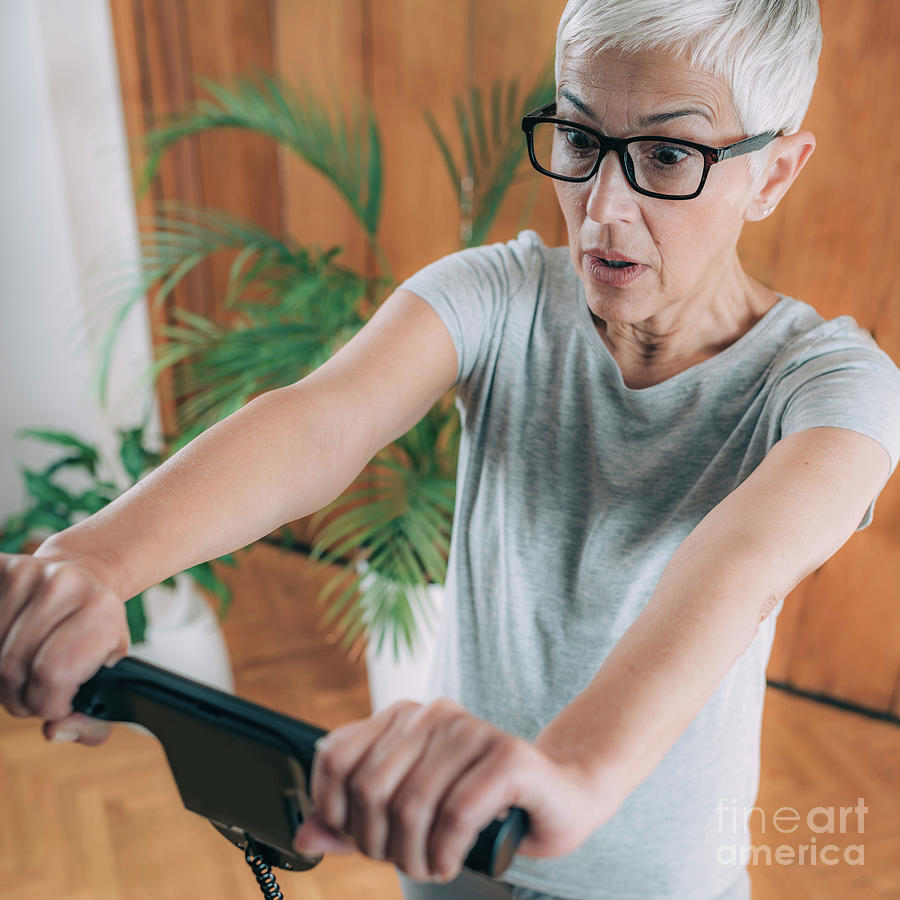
(767, 211)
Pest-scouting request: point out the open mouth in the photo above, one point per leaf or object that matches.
(615, 263)
(614, 272)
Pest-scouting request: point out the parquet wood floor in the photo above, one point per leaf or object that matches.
(107, 823)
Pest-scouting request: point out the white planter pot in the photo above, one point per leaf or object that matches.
(183, 634)
(407, 678)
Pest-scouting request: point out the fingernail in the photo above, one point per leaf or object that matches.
(62, 736)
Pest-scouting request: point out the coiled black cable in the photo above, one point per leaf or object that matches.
(263, 872)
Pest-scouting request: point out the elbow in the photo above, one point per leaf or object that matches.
(771, 601)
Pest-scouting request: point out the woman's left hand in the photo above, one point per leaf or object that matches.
(415, 784)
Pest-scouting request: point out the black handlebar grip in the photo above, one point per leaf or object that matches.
(120, 693)
(496, 845)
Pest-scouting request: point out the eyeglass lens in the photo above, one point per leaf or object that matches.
(658, 166)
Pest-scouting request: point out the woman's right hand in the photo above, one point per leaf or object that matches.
(59, 622)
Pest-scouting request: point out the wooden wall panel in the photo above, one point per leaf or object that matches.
(131, 54)
(237, 171)
(322, 45)
(163, 29)
(507, 44)
(161, 45)
(832, 244)
(417, 64)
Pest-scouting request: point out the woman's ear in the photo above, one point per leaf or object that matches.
(789, 155)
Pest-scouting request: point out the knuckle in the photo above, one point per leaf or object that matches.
(12, 669)
(511, 749)
(464, 730)
(64, 578)
(47, 675)
(16, 574)
(402, 705)
(11, 697)
(95, 602)
(8, 566)
(445, 704)
(455, 821)
(363, 793)
(410, 810)
(330, 765)
(49, 706)
(324, 769)
(400, 713)
(440, 710)
(122, 642)
(14, 561)
(47, 693)
(768, 605)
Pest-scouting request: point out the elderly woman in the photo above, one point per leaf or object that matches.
(656, 449)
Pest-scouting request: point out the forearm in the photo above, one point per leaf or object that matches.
(278, 458)
(662, 671)
(780, 524)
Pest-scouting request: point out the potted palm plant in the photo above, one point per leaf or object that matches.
(171, 623)
(300, 304)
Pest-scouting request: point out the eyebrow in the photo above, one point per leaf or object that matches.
(656, 119)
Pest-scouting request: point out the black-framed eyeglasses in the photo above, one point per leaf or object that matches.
(655, 166)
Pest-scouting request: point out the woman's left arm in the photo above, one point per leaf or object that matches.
(415, 783)
(791, 514)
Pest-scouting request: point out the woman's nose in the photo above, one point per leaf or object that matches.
(611, 196)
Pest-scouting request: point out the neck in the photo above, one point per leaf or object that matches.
(687, 331)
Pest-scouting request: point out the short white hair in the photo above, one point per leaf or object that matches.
(765, 51)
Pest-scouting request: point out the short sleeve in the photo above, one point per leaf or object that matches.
(471, 289)
(846, 380)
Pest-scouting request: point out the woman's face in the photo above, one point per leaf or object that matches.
(685, 248)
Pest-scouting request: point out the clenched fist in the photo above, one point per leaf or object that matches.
(59, 622)
(415, 784)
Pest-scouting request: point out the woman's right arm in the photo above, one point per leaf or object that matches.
(284, 455)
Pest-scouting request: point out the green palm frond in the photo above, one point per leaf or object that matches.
(229, 364)
(271, 282)
(492, 148)
(400, 514)
(346, 148)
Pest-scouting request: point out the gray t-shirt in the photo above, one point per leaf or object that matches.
(573, 492)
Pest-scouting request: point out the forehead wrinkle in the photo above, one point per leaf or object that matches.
(645, 121)
(660, 118)
(586, 79)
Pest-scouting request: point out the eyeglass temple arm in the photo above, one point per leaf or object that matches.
(748, 145)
